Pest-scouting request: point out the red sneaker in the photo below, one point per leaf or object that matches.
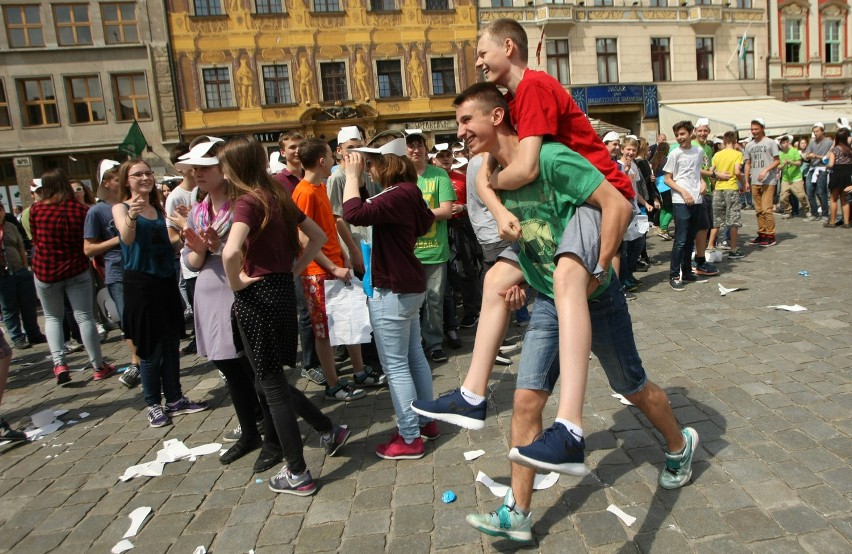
(430, 431)
(398, 449)
(105, 371)
(757, 241)
(63, 376)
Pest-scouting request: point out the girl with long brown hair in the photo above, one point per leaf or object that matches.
(261, 255)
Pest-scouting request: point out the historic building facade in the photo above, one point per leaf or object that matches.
(264, 66)
(620, 58)
(74, 75)
(809, 47)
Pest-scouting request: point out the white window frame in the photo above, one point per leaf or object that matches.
(289, 67)
(202, 83)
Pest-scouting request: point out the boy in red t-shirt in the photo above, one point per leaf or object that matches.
(311, 196)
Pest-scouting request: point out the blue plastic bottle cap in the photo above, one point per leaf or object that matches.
(448, 497)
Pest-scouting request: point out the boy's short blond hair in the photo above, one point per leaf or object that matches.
(502, 29)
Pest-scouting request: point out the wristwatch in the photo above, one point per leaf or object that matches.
(600, 274)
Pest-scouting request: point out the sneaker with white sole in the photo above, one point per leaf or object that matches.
(131, 377)
(233, 435)
(504, 522)
(301, 484)
(338, 437)
(157, 417)
(556, 449)
(370, 377)
(184, 406)
(452, 407)
(678, 470)
(344, 392)
(314, 375)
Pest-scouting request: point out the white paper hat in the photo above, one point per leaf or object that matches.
(843, 123)
(198, 156)
(409, 133)
(275, 165)
(36, 185)
(461, 161)
(458, 146)
(819, 124)
(611, 136)
(348, 133)
(702, 121)
(759, 121)
(396, 146)
(105, 166)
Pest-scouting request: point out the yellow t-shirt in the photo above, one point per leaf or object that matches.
(725, 161)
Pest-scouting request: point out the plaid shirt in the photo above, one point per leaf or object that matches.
(58, 239)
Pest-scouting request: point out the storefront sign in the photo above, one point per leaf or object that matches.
(609, 95)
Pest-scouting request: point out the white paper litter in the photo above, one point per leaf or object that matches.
(137, 518)
(4, 443)
(84, 415)
(200, 550)
(42, 418)
(172, 451)
(621, 399)
(59, 413)
(38, 432)
(793, 308)
(540, 482)
(122, 546)
(627, 519)
(473, 454)
(724, 290)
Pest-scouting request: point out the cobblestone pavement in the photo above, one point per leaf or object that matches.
(768, 391)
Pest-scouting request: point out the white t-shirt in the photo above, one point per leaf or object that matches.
(685, 167)
(181, 197)
(761, 154)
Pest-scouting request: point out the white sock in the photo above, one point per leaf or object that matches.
(570, 426)
(472, 398)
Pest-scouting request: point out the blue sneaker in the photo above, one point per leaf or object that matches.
(678, 469)
(505, 522)
(556, 449)
(290, 483)
(453, 408)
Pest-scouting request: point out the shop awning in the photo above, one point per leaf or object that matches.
(736, 114)
(602, 127)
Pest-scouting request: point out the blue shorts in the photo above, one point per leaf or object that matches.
(612, 343)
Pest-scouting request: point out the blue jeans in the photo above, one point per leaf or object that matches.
(432, 312)
(161, 372)
(18, 300)
(630, 252)
(818, 189)
(306, 330)
(396, 326)
(612, 342)
(52, 296)
(687, 219)
(116, 292)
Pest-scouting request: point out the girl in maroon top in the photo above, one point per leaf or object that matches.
(261, 255)
(840, 178)
(61, 268)
(398, 215)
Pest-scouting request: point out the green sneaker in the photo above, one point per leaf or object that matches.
(678, 469)
(505, 522)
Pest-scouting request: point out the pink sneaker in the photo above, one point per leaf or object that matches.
(430, 431)
(105, 371)
(398, 449)
(63, 376)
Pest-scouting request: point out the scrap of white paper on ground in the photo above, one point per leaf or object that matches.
(627, 519)
(122, 546)
(541, 482)
(137, 518)
(793, 308)
(621, 399)
(724, 290)
(473, 454)
(172, 451)
(200, 550)
(84, 415)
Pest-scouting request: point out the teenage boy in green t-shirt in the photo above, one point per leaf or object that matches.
(792, 182)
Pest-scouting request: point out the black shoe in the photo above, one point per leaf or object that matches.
(41, 339)
(453, 339)
(341, 353)
(468, 321)
(438, 356)
(189, 348)
(240, 449)
(9, 434)
(21, 344)
(269, 457)
(688, 277)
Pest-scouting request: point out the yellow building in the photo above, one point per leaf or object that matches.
(263, 66)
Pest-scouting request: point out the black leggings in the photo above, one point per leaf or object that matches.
(266, 317)
(240, 378)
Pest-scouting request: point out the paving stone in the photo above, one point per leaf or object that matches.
(752, 525)
(280, 530)
(320, 538)
(324, 512)
(599, 528)
(238, 538)
(364, 543)
(827, 540)
(188, 543)
(41, 543)
(451, 530)
(410, 544)
(374, 499)
(64, 518)
(256, 512)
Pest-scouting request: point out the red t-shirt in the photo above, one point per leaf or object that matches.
(268, 252)
(314, 203)
(542, 107)
(459, 182)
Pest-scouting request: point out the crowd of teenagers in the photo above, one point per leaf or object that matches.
(460, 235)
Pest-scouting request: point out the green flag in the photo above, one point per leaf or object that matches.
(134, 143)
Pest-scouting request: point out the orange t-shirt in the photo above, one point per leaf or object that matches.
(314, 203)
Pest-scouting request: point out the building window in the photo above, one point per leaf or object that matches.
(501, 3)
(443, 76)
(746, 63)
(793, 41)
(333, 77)
(603, 3)
(383, 5)
(217, 88)
(437, 5)
(660, 55)
(327, 6)
(5, 116)
(39, 102)
(267, 7)
(276, 84)
(744, 4)
(86, 99)
(389, 74)
(23, 26)
(659, 3)
(607, 52)
(832, 40)
(557, 60)
(702, 2)
(72, 24)
(131, 97)
(203, 8)
(704, 58)
(120, 23)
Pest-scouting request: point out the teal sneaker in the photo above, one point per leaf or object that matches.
(678, 468)
(505, 522)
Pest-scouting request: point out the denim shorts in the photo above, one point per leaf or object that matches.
(612, 342)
